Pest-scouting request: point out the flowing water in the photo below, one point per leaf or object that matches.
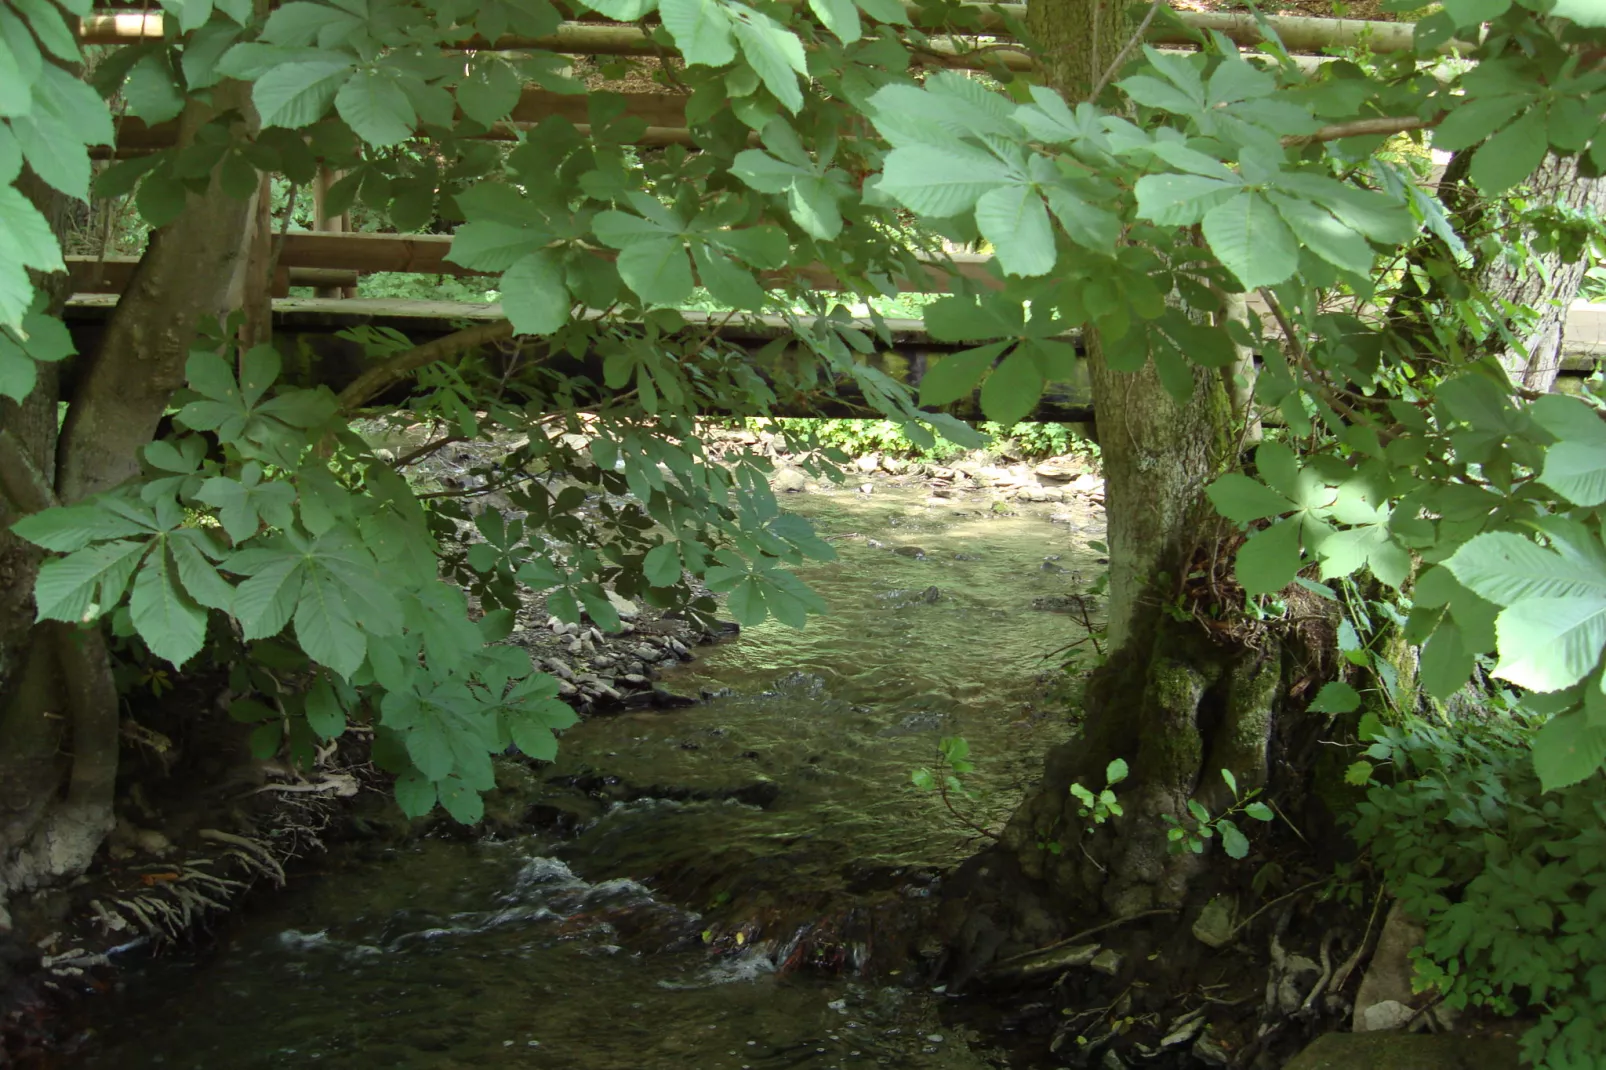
(710, 851)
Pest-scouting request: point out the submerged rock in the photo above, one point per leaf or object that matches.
(1396, 1051)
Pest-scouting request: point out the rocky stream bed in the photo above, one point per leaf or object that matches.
(726, 867)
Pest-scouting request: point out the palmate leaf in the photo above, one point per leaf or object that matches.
(1567, 749)
(82, 586)
(376, 107)
(299, 94)
(1547, 644)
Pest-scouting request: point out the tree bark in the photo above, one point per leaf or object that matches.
(59, 725)
(1545, 282)
(1171, 700)
(193, 268)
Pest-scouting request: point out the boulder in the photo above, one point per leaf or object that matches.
(788, 481)
(1402, 1051)
(1388, 977)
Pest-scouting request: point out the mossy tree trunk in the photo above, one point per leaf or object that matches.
(59, 721)
(1172, 701)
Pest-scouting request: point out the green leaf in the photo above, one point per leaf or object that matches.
(299, 94)
(1505, 569)
(775, 54)
(1014, 220)
(82, 586)
(1269, 559)
(73, 527)
(1336, 697)
(1115, 772)
(1242, 499)
(1320, 232)
(1012, 390)
(955, 375)
(1252, 240)
(840, 17)
(1259, 811)
(1512, 154)
(55, 155)
(941, 182)
(1567, 749)
(1472, 12)
(535, 297)
(151, 91)
(1358, 774)
(415, 793)
(1583, 12)
(325, 715)
(662, 565)
(1576, 471)
(1446, 663)
(166, 618)
(376, 108)
(659, 271)
(1234, 842)
(746, 601)
(493, 245)
(1181, 200)
(1547, 644)
(701, 29)
(490, 92)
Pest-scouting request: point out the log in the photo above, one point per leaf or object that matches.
(1298, 34)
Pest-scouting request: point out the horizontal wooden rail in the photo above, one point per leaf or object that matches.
(1298, 33)
(111, 275)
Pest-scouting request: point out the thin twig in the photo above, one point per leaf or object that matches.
(428, 448)
(1236, 929)
(1083, 935)
(1120, 57)
(1383, 124)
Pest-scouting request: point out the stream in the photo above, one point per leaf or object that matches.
(707, 853)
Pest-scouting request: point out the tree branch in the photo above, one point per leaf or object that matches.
(377, 380)
(1384, 124)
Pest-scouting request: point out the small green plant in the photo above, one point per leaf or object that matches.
(953, 762)
(1191, 832)
(1103, 806)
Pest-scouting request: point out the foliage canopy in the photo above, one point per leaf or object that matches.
(817, 139)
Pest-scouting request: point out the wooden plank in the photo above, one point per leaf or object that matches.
(93, 275)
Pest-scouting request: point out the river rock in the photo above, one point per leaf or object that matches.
(868, 463)
(1086, 483)
(1400, 1051)
(621, 605)
(1107, 962)
(894, 466)
(914, 552)
(1388, 977)
(1057, 471)
(788, 481)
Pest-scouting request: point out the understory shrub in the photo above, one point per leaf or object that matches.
(1508, 879)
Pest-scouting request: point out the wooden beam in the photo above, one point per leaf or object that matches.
(1298, 33)
(93, 275)
(425, 254)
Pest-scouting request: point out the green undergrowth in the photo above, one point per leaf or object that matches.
(1508, 879)
(858, 437)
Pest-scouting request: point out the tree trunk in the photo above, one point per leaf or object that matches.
(1547, 283)
(1172, 701)
(59, 726)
